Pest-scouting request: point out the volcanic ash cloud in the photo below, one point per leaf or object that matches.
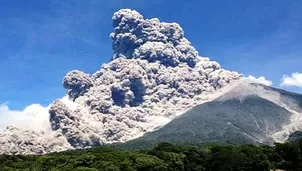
(154, 75)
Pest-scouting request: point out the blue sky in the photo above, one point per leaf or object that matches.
(42, 40)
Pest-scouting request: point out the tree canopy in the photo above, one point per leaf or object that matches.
(164, 157)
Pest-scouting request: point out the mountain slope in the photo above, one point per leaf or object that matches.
(240, 116)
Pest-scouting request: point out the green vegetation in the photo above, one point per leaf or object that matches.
(165, 157)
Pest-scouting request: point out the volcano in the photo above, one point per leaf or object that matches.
(157, 87)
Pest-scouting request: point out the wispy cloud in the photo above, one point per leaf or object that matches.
(260, 80)
(294, 80)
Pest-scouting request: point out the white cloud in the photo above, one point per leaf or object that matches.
(33, 116)
(260, 80)
(294, 80)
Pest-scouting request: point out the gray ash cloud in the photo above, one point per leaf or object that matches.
(154, 75)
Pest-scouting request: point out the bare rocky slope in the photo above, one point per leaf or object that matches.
(246, 114)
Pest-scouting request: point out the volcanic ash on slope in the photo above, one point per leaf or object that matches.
(154, 75)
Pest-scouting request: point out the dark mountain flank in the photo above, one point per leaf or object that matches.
(241, 116)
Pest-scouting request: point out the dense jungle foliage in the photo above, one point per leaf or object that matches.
(164, 157)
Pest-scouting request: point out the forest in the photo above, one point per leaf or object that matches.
(164, 157)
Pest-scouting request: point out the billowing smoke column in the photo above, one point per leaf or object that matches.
(154, 75)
